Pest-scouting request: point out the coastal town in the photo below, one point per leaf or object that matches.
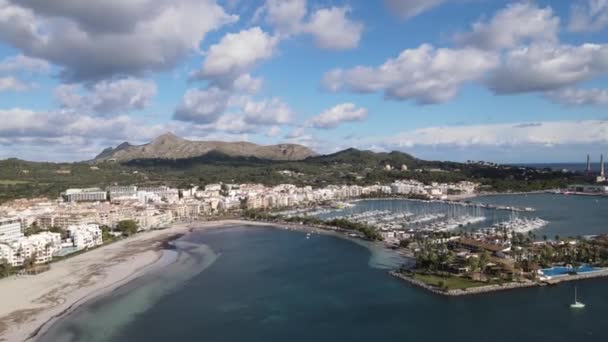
(33, 231)
(451, 249)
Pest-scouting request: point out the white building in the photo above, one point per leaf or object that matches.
(164, 193)
(10, 229)
(85, 195)
(42, 246)
(85, 236)
(122, 193)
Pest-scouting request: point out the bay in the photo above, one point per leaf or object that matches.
(268, 284)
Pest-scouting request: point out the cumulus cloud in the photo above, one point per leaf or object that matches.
(574, 96)
(411, 8)
(108, 97)
(267, 112)
(202, 106)
(333, 30)
(21, 63)
(248, 84)
(515, 24)
(589, 16)
(236, 54)
(333, 117)
(24, 123)
(223, 110)
(67, 135)
(286, 16)
(140, 36)
(548, 67)
(330, 27)
(425, 74)
(12, 84)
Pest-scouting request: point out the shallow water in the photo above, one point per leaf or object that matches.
(265, 284)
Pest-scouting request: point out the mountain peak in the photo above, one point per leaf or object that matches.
(170, 146)
(165, 138)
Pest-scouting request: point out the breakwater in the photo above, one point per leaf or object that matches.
(464, 292)
(498, 287)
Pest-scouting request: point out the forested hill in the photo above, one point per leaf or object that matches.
(29, 179)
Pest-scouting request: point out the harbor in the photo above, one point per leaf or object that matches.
(403, 216)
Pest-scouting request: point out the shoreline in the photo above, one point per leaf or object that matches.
(498, 287)
(33, 303)
(37, 302)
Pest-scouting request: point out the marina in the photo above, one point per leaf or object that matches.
(432, 216)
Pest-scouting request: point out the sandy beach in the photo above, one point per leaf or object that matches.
(31, 302)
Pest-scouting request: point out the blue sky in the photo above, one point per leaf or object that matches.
(505, 81)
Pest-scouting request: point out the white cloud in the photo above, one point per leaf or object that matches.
(507, 134)
(67, 135)
(223, 110)
(24, 123)
(140, 36)
(548, 67)
(267, 112)
(589, 16)
(411, 8)
(333, 30)
(202, 106)
(425, 74)
(286, 16)
(236, 54)
(12, 84)
(274, 131)
(574, 96)
(248, 84)
(108, 97)
(333, 117)
(511, 26)
(21, 63)
(330, 27)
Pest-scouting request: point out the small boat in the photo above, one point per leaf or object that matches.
(576, 304)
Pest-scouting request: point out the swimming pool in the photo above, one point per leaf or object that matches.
(562, 270)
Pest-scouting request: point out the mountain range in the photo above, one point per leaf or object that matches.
(170, 146)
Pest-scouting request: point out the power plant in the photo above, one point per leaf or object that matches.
(601, 177)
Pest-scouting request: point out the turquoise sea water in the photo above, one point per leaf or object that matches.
(266, 284)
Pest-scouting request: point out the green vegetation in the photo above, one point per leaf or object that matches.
(12, 182)
(447, 282)
(106, 236)
(31, 179)
(368, 232)
(592, 252)
(31, 230)
(34, 229)
(127, 227)
(6, 269)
